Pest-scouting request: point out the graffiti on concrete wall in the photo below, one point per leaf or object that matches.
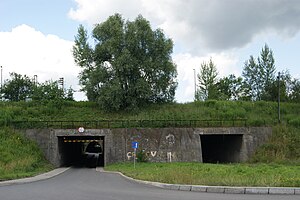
(151, 154)
(170, 139)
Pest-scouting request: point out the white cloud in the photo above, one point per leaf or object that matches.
(186, 64)
(213, 25)
(25, 50)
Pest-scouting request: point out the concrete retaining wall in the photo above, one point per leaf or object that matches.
(160, 145)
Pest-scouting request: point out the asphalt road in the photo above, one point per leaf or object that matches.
(88, 184)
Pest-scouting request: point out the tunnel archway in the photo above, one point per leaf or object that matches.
(81, 151)
(221, 148)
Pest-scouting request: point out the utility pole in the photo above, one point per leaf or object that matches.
(1, 79)
(195, 85)
(35, 80)
(278, 79)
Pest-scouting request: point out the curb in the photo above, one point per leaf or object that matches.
(217, 189)
(39, 177)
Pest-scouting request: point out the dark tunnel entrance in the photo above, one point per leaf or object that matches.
(221, 148)
(81, 151)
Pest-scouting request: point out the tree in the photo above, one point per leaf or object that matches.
(266, 63)
(19, 88)
(207, 81)
(230, 88)
(129, 66)
(259, 75)
(47, 91)
(294, 96)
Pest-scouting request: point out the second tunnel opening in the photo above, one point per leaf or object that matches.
(221, 148)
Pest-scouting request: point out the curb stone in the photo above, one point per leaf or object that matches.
(218, 189)
(39, 177)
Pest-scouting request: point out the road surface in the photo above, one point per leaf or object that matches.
(88, 184)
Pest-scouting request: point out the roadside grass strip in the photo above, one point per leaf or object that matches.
(247, 175)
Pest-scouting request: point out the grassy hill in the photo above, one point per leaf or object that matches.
(256, 113)
(19, 157)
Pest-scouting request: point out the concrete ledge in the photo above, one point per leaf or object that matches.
(199, 188)
(39, 177)
(220, 189)
(257, 190)
(185, 187)
(235, 190)
(281, 191)
(215, 189)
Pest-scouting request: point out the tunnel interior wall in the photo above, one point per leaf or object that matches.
(159, 145)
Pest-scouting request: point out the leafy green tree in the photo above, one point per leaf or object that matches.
(18, 88)
(129, 66)
(266, 63)
(285, 84)
(295, 91)
(69, 94)
(259, 75)
(49, 90)
(207, 79)
(230, 88)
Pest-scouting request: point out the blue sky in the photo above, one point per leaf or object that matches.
(36, 36)
(49, 17)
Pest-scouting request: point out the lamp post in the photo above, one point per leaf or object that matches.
(1, 78)
(195, 84)
(278, 80)
(35, 80)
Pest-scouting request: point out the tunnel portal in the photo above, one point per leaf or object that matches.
(81, 151)
(221, 148)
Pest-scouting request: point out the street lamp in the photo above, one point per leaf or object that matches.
(1, 78)
(35, 79)
(195, 84)
(278, 80)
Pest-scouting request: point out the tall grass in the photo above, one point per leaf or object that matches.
(257, 113)
(19, 157)
(282, 147)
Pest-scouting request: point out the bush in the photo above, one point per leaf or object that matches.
(142, 156)
(294, 122)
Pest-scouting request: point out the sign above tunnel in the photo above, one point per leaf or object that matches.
(80, 129)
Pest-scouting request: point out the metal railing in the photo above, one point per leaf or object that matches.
(97, 124)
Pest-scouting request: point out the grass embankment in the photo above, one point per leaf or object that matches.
(19, 157)
(256, 113)
(273, 175)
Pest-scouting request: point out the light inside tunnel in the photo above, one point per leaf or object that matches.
(81, 151)
(221, 148)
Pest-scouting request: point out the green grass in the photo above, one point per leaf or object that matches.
(19, 157)
(257, 113)
(273, 175)
(283, 147)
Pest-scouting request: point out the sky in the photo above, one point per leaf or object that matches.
(36, 36)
